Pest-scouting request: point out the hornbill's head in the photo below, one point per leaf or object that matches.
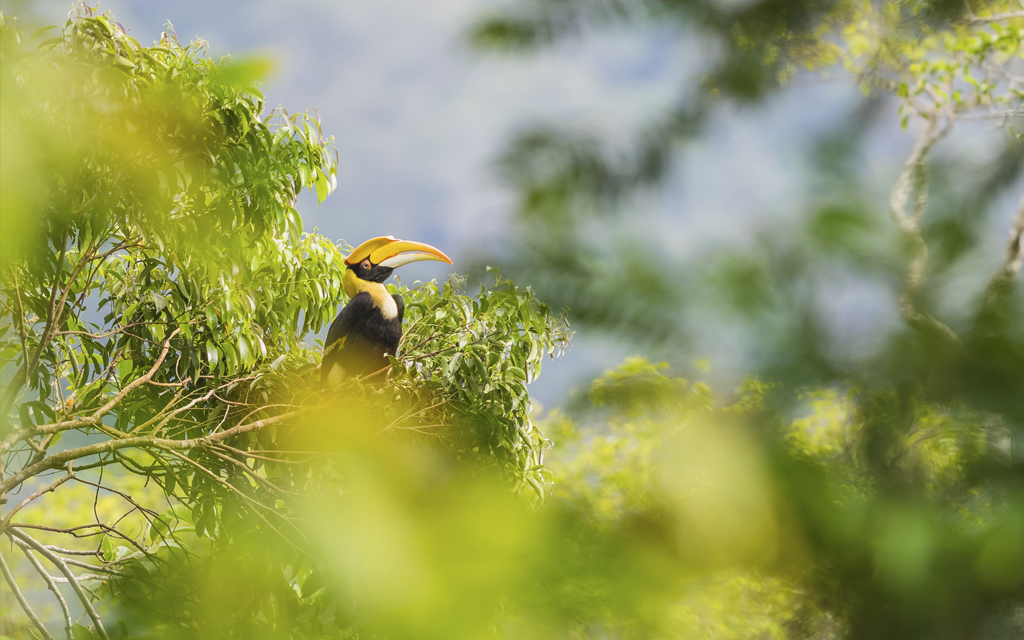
(376, 259)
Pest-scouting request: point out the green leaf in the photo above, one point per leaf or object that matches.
(41, 30)
(212, 355)
(81, 633)
(244, 351)
(160, 301)
(322, 186)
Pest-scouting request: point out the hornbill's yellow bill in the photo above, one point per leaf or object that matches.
(386, 251)
(369, 327)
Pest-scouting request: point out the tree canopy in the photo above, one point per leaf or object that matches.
(158, 291)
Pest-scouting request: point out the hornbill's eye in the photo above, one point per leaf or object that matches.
(364, 265)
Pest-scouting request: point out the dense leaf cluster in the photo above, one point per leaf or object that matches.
(474, 357)
(107, 241)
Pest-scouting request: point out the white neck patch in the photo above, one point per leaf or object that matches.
(384, 302)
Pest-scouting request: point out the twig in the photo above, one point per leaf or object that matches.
(410, 413)
(252, 474)
(70, 552)
(86, 565)
(993, 115)
(258, 505)
(313, 455)
(9, 577)
(127, 498)
(163, 417)
(84, 576)
(105, 334)
(72, 579)
(103, 529)
(171, 384)
(94, 420)
(71, 530)
(6, 521)
(999, 17)
(50, 584)
(425, 429)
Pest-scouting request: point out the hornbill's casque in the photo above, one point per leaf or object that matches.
(369, 327)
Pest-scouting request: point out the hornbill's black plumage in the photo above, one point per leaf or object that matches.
(369, 327)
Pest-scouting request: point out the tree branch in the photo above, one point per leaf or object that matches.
(21, 318)
(106, 334)
(70, 552)
(999, 284)
(50, 584)
(72, 579)
(244, 468)
(59, 459)
(9, 577)
(6, 521)
(913, 181)
(257, 505)
(74, 531)
(96, 418)
(999, 17)
(52, 321)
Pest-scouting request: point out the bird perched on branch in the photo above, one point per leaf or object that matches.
(369, 327)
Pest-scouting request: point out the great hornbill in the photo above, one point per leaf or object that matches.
(369, 327)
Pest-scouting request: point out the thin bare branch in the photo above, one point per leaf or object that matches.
(412, 412)
(83, 577)
(86, 565)
(9, 577)
(7, 520)
(50, 584)
(64, 569)
(61, 458)
(124, 496)
(244, 468)
(257, 505)
(105, 334)
(313, 455)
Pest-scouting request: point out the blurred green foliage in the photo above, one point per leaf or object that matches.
(876, 442)
(948, 63)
